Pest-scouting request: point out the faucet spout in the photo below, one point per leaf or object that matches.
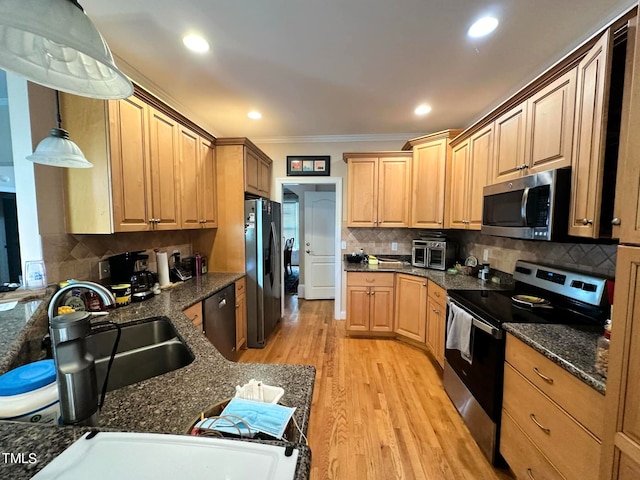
(103, 292)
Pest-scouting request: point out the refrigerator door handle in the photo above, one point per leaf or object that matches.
(273, 247)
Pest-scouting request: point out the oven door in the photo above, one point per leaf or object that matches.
(484, 376)
(436, 258)
(419, 255)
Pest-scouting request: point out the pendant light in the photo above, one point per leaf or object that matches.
(55, 44)
(57, 150)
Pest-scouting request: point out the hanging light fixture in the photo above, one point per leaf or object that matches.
(55, 44)
(57, 150)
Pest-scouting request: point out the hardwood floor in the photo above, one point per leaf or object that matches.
(379, 410)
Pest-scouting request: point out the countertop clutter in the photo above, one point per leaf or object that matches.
(168, 403)
(571, 347)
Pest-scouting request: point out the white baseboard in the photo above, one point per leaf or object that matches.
(300, 290)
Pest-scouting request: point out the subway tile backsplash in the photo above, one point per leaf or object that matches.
(503, 252)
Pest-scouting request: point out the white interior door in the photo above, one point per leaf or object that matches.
(319, 245)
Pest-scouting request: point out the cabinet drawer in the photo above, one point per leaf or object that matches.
(580, 400)
(571, 448)
(241, 286)
(367, 279)
(437, 293)
(524, 458)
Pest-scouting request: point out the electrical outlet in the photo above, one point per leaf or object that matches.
(343, 245)
(394, 246)
(485, 255)
(104, 270)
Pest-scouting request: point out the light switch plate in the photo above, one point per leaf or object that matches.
(394, 246)
(485, 255)
(343, 245)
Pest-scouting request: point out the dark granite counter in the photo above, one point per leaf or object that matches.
(169, 403)
(570, 346)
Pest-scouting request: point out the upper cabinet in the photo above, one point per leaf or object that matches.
(257, 173)
(468, 175)
(509, 144)
(137, 184)
(378, 189)
(431, 154)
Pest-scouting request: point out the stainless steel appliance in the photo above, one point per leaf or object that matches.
(220, 321)
(131, 267)
(434, 253)
(535, 207)
(262, 253)
(476, 388)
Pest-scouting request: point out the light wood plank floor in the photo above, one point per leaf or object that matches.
(379, 410)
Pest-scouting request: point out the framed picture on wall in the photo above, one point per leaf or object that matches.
(308, 165)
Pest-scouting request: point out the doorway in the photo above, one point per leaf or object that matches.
(300, 184)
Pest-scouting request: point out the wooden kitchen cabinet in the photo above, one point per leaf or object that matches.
(469, 170)
(198, 173)
(431, 154)
(370, 303)
(135, 184)
(194, 313)
(378, 189)
(257, 173)
(241, 314)
(509, 153)
(436, 321)
(549, 412)
(411, 307)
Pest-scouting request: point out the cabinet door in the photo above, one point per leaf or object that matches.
(264, 178)
(508, 157)
(428, 172)
(165, 177)
(381, 309)
(251, 172)
(589, 143)
(207, 195)
(457, 207)
(550, 117)
(628, 469)
(362, 192)
(189, 174)
(411, 307)
(358, 299)
(394, 187)
(435, 329)
(194, 313)
(480, 152)
(622, 430)
(130, 165)
(241, 317)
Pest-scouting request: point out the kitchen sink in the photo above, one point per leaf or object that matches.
(146, 349)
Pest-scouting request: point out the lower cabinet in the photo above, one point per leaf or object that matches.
(370, 302)
(436, 321)
(551, 421)
(411, 307)
(194, 313)
(241, 314)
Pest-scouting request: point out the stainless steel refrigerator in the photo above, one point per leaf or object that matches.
(262, 252)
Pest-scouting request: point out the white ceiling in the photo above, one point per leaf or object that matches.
(341, 67)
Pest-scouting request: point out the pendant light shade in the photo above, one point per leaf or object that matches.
(55, 44)
(58, 151)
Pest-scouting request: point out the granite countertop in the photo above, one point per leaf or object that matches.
(171, 402)
(572, 347)
(445, 280)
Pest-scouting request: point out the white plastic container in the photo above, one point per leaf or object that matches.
(30, 394)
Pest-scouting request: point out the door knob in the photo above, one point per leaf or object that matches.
(586, 221)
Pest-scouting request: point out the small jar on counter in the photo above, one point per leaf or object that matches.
(602, 351)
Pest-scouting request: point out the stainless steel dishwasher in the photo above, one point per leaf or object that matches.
(220, 321)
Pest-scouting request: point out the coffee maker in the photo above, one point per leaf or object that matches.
(131, 267)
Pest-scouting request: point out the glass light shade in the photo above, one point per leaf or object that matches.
(58, 151)
(55, 44)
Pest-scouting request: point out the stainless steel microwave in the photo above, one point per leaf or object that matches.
(535, 207)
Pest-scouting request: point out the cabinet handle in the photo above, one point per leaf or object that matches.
(544, 429)
(372, 293)
(586, 221)
(544, 377)
(439, 222)
(519, 167)
(616, 221)
(424, 284)
(437, 312)
(370, 280)
(436, 293)
(237, 305)
(525, 167)
(529, 474)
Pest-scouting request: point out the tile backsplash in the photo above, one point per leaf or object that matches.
(77, 256)
(503, 252)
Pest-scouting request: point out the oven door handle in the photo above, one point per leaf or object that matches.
(477, 323)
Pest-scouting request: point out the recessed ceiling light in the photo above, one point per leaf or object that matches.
(195, 43)
(482, 27)
(254, 115)
(422, 109)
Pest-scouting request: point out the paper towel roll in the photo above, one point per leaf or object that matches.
(162, 262)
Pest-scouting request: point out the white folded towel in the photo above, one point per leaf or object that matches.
(459, 331)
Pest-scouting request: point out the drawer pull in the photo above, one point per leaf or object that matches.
(544, 429)
(370, 280)
(529, 474)
(544, 377)
(436, 293)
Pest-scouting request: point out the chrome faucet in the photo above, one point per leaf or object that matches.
(75, 366)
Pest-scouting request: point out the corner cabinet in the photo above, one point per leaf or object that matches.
(378, 189)
(370, 303)
(135, 184)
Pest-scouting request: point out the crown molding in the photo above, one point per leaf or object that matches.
(382, 137)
